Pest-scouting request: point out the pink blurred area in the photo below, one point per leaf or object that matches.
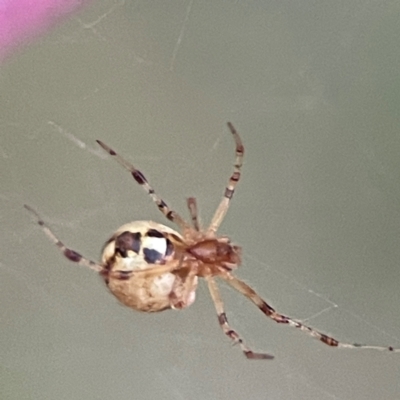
(23, 20)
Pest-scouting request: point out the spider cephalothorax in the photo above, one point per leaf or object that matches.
(150, 267)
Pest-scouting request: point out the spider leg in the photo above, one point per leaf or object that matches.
(152, 271)
(183, 291)
(142, 181)
(230, 189)
(247, 291)
(223, 321)
(68, 253)
(192, 206)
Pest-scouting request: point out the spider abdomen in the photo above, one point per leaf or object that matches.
(140, 245)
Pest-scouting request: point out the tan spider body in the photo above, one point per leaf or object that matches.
(132, 249)
(169, 264)
(150, 267)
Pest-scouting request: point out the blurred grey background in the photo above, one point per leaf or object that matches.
(314, 90)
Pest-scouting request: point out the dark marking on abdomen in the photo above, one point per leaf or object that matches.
(128, 241)
(155, 233)
(152, 256)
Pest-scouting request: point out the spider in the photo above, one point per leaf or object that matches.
(151, 267)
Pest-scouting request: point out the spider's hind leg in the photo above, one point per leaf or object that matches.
(72, 255)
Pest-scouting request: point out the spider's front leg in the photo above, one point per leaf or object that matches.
(222, 209)
(139, 177)
(193, 211)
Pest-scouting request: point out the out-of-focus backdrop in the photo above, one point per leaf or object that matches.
(314, 90)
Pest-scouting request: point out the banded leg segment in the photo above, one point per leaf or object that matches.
(151, 272)
(192, 206)
(142, 181)
(223, 321)
(233, 181)
(270, 312)
(72, 255)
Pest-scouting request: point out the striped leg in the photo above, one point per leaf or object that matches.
(247, 291)
(230, 189)
(223, 321)
(142, 181)
(68, 253)
(192, 206)
(150, 272)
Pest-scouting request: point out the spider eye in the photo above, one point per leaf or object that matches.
(128, 241)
